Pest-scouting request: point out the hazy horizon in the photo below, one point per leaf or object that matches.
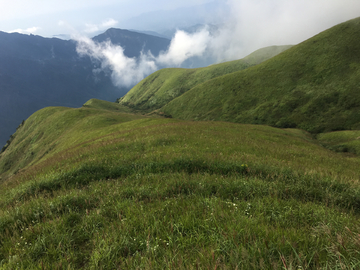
(54, 18)
(243, 27)
(296, 19)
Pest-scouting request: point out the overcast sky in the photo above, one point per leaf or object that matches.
(18, 9)
(49, 17)
(243, 27)
(260, 22)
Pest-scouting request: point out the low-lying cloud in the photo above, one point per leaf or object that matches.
(184, 46)
(93, 28)
(259, 23)
(252, 24)
(126, 71)
(30, 30)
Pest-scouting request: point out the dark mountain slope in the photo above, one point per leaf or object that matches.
(314, 86)
(37, 72)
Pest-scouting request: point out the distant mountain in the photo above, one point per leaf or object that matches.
(37, 72)
(180, 18)
(134, 42)
(152, 33)
(314, 86)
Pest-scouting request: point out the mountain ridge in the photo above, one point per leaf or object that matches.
(313, 86)
(37, 72)
(166, 84)
(134, 42)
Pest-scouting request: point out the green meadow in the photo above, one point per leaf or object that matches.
(124, 191)
(161, 87)
(269, 181)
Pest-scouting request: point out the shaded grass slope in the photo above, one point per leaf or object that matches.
(53, 129)
(314, 86)
(161, 87)
(347, 141)
(120, 191)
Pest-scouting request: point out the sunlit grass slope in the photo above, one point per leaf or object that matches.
(164, 85)
(314, 86)
(118, 191)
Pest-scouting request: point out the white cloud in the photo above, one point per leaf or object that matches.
(125, 71)
(184, 46)
(253, 24)
(31, 30)
(259, 23)
(93, 28)
(109, 23)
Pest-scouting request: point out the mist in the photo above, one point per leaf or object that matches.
(254, 24)
(251, 24)
(126, 71)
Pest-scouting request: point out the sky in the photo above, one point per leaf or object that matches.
(50, 17)
(244, 26)
(299, 19)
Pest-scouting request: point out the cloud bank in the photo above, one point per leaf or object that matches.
(92, 28)
(126, 71)
(184, 46)
(252, 24)
(30, 30)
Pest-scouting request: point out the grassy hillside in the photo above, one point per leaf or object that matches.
(54, 129)
(120, 191)
(106, 105)
(161, 87)
(100, 187)
(264, 54)
(342, 141)
(313, 86)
